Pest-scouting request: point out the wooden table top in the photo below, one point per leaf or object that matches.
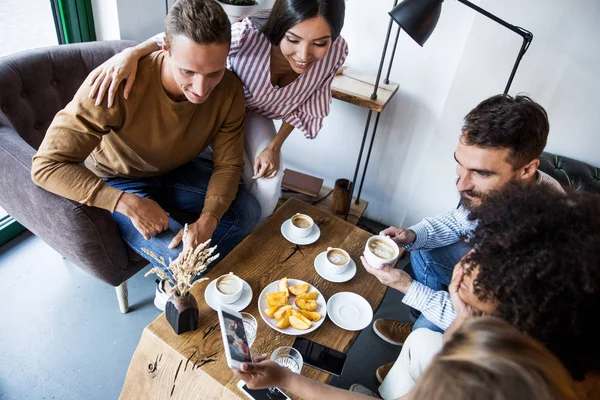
(193, 365)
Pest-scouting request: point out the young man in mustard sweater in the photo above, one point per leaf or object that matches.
(140, 154)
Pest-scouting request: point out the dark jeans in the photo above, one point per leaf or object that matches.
(184, 189)
(433, 268)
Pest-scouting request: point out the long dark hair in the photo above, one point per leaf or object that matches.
(287, 13)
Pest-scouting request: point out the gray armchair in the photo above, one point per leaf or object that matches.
(34, 86)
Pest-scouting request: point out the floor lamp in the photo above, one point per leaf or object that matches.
(418, 18)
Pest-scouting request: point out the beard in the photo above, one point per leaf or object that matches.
(467, 202)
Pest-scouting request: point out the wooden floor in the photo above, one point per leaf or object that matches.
(323, 202)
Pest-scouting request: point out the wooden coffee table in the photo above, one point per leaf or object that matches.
(193, 365)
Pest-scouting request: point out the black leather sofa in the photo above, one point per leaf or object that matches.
(570, 173)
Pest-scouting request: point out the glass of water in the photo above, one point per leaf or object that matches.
(289, 358)
(250, 326)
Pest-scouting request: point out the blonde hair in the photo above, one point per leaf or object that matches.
(488, 359)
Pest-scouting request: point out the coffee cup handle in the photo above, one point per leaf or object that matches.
(329, 248)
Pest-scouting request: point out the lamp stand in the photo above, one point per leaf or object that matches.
(367, 125)
(525, 34)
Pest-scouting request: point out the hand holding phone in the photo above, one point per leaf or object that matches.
(235, 342)
(262, 394)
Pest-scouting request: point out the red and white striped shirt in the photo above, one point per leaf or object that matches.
(304, 102)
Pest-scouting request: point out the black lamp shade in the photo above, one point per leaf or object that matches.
(418, 18)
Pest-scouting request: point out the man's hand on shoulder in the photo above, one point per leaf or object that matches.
(198, 232)
(145, 214)
(402, 237)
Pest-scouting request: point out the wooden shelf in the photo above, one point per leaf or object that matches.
(355, 88)
(356, 210)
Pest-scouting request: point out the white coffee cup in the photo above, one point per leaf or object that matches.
(336, 260)
(228, 288)
(381, 250)
(301, 225)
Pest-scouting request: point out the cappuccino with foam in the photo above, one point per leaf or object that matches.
(300, 221)
(381, 249)
(228, 284)
(337, 257)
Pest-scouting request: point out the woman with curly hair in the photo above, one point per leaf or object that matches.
(535, 263)
(536, 259)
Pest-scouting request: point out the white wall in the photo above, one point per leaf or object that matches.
(135, 19)
(106, 19)
(467, 59)
(17, 31)
(141, 19)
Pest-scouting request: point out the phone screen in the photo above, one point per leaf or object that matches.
(264, 394)
(236, 338)
(320, 357)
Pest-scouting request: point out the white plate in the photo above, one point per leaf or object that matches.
(349, 311)
(312, 237)
(239, 305)
(262, 305)
(321, 267)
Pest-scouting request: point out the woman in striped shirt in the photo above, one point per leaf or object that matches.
(286, 64)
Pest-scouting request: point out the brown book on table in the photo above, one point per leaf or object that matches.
(301, 183)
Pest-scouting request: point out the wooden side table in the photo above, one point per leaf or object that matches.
(358, 89)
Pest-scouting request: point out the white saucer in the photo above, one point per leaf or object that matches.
(239, 305)
(286, 231)
(321, 267)
(349, 311)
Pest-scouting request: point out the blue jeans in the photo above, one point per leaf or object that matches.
(184, 189)
(433, 268)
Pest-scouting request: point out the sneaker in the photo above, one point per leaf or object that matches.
(382, 371)
(393, 332)
(162, 294)
(358, 388)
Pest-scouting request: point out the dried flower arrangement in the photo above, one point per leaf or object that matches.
(181, 272)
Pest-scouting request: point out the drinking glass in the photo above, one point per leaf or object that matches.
(289, 358)
(250, 326)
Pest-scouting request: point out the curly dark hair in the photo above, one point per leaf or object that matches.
(515, 123)
(538, 255)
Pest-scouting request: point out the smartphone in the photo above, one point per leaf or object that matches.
(320, 357)
(235, 342)
(262, 394)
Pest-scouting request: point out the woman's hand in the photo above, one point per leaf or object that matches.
(463, 310)
(110, 74)
(266, 164)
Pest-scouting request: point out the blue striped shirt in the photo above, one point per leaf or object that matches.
(443, 230)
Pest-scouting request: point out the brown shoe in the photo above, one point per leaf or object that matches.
(382, 371)
(391, 331)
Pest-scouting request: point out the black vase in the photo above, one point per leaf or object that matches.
(182, 313)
